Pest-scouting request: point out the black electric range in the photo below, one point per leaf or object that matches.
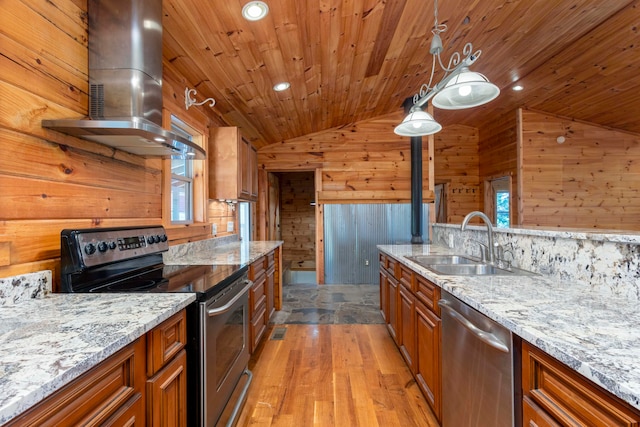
(129, 259)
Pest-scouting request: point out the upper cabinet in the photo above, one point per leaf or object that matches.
(233, 166)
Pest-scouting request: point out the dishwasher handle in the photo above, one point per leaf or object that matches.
(484, 336)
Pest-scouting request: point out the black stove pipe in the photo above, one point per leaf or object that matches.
(416, 190)
(416, 182)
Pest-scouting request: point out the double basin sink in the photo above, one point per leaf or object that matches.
(457, 265)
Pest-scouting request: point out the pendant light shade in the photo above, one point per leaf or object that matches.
(465, 90)
(418, 123)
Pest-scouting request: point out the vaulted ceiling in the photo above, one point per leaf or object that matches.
(356, 59)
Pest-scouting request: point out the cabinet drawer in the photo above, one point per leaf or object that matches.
(428, 293)
(258, 327)
(533, 416)
(392, 266)
(383, 260)
(271, 259)
(165, 341)
(95, 397)
(406, 277)
(257, 294)
(567, 397)
(256, 268)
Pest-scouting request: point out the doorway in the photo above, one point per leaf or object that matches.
(297, 225)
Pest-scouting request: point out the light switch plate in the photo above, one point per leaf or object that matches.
(214, 229)
(230, 226)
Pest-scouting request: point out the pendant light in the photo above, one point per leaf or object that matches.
(458, 89)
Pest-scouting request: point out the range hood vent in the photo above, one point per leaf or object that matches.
(125, 83)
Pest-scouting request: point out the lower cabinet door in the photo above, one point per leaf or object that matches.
(428, 360)
(407, 322)
(167, 394)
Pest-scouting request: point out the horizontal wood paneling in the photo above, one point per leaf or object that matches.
(364, 157)
(498, 154)
(591, 180)
(456, 163)
(50, 181)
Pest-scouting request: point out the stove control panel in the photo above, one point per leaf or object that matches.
(102, 246)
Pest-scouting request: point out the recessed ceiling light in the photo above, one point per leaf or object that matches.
(255, 10)
(518, 88)
(281, 86)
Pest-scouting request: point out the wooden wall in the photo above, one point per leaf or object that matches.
(498, 156)
(50, 181)
(456, 164)
(359, 163)
(592, 180)
(297, 216)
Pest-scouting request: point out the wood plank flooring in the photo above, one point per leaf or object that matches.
(333, 375)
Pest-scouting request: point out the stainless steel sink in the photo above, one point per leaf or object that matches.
(425, 260)
(456, 265)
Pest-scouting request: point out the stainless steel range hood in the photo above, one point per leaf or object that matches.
(125, 82)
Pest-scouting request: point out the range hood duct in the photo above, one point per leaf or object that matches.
(125, 82)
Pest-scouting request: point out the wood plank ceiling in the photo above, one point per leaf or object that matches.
(357, 59)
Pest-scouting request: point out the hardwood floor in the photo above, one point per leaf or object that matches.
(333, 375)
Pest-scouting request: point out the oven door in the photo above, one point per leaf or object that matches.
(224, 354)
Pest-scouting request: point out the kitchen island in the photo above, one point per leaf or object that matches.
(596, 335)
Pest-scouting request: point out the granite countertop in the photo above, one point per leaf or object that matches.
(595, 335)
(203, 252)
(46, 343)
(47, 340)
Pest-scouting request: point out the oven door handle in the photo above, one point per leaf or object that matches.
(227, 306)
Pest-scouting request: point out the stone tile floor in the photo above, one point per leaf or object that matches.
(329, 304)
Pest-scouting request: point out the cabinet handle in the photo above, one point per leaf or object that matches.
(484, 336)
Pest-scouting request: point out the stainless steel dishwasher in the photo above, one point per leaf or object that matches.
(477, 368)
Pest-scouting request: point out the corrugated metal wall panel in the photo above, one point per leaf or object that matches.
(352, 232)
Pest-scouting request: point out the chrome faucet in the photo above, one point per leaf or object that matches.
(485, 218)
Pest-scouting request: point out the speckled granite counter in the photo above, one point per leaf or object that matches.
(207, 252)
(45, 343)
(596, 335)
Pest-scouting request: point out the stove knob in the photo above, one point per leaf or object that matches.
(150, 239)
(156, 239)
(163, 238)
(102, 246)
(90, 249)
(112, 245)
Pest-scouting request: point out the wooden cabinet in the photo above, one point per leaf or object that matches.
(384, 289)
(409, 304)
(427, 366)
(392, 321)
(145, 383)
(270, 285)
(167, 371)
(554, 394)
(111, 392)
(257, 303)
(264, 296)
(233, 166)
(407, 325)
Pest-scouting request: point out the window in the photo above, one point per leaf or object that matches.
(181, 180)
(245, 221)
(499, 194)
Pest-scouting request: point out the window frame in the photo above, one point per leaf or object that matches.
(199, 132)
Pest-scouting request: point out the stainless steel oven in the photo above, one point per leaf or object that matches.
(129, 259)
(223, 336)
